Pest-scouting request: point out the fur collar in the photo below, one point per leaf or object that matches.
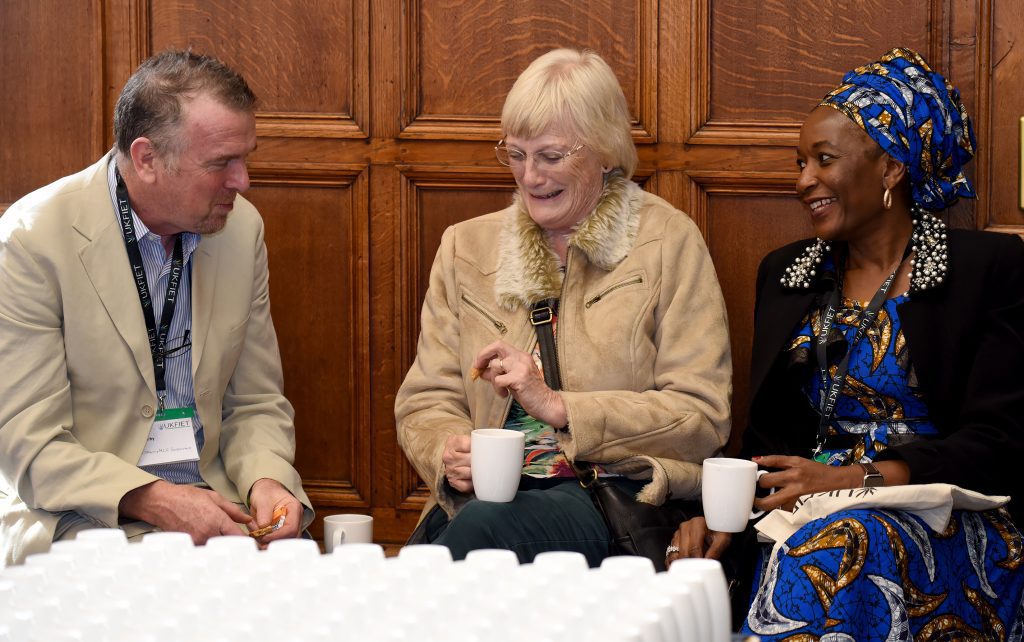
(528, 269)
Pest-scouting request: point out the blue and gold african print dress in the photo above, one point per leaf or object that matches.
(880, 574)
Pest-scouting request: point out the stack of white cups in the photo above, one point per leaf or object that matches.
(100, 588)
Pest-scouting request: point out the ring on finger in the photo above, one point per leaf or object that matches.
(671, 550)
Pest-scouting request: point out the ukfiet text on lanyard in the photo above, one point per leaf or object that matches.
(157, 335)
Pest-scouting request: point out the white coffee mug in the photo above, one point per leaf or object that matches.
(496, 462)
(347, 529)
(727, 490)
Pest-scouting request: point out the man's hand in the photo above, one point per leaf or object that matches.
(266, 496)
(199, 512)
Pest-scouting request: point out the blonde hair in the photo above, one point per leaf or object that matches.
(579, 91)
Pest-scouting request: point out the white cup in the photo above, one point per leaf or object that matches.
(347, 529)
(706, 579)
(496, 461)
(727, 490)
(107, 537)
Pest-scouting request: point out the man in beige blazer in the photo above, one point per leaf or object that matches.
(79, 389)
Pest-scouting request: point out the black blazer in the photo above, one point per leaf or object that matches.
(966, 342)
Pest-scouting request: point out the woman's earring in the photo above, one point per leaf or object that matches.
(887, 198)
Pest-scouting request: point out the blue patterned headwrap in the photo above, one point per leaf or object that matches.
(916, 116)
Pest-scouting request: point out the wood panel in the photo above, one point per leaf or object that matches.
(768, 220)
(458, 70)
(305, 60)
(1006, 108)
(47, 123)
(319, 284)
(769, 60)
(438, 199)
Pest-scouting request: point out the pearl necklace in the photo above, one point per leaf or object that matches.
(804, 268)
(928, 267)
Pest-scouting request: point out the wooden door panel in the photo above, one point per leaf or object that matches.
(772, 63)
(767, 222)
(438, 207)
(435, 199)
(51, 63)
(305, 60)
(463, 56)
(1003, 159)
(316, 239)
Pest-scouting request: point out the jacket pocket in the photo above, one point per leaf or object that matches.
(632, 281)
(484, 314)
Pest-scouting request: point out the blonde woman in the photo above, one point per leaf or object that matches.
(640, 330)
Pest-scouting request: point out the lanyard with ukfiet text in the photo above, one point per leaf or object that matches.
(866, 318)
(157, 335)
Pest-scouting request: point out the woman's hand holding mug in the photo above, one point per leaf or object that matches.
(727, 492)
(456, 461)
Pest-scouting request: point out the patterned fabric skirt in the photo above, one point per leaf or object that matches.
(885, 575)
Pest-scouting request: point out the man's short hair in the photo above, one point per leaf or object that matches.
(150, 103)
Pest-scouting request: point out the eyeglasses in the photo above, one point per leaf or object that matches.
(178, 346)
(547, 159)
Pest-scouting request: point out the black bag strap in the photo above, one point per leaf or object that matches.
(541, 317)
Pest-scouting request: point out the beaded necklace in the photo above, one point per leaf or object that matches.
(927, 268)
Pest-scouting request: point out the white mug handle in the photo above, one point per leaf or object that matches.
(337, 537)
(757, 513)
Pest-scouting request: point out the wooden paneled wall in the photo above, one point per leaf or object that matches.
(377, 120)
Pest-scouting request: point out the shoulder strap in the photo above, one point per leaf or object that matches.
(541, 316)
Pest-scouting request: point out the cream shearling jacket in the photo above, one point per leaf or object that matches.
(642, 340)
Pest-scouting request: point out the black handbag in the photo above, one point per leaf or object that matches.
(636, 528)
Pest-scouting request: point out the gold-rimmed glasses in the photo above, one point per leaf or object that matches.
(546, 159)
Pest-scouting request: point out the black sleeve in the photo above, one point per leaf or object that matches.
(984, 447)
(781, 422)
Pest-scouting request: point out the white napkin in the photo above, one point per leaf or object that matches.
(934, 503)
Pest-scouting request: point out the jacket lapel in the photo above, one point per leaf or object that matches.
(204, 285)
(773, 326)
(105, 261)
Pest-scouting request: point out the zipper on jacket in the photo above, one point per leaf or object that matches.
(501, 327)
(561, 317)
(634, 281)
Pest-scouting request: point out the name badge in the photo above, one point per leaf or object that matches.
(172, 438)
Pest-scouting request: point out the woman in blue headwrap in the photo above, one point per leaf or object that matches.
(888, 351)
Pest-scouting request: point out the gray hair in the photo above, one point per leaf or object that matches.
(150, 103)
